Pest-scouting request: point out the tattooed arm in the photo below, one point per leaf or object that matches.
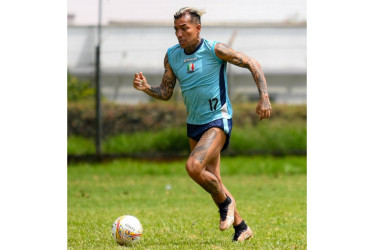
(240, 59)
(165, 90)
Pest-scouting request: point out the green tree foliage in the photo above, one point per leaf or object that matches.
(79, 90)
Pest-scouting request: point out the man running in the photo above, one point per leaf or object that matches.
(200, 67)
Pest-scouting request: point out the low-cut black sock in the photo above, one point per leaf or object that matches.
(225, 203)
(241, 226)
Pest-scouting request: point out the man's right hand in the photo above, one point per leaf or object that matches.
(140, 82)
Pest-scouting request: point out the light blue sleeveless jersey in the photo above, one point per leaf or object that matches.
(202, 77)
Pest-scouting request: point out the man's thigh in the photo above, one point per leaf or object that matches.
(208, 148)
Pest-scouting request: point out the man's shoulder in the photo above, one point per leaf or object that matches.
(211, 43)
(174, 48)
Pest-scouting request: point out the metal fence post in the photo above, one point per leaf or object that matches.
(98, 88)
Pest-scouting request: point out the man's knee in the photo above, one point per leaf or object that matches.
(193, 168)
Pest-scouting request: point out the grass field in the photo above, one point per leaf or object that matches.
(270, 194)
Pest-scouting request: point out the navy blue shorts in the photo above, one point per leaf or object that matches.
(196, 131)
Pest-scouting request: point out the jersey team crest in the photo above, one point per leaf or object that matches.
(190, 68)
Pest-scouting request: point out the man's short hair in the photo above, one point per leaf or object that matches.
(194, 13)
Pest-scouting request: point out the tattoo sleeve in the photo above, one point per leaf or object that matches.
(165, 90)
(240, 59)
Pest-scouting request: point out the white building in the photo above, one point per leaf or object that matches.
(127, 49)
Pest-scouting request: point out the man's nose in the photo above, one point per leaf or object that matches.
(178, 33)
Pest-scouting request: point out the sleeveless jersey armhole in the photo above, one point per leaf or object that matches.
(169, 59)
(214, 52)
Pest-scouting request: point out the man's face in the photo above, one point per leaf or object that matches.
(187, 33)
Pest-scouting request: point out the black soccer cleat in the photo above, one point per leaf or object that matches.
(242, 235)
(226, 213)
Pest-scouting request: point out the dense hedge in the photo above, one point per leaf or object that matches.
(122, 118)
(266, 138)
(160, 128)
(155, 116)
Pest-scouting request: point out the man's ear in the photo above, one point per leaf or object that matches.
(198, 28)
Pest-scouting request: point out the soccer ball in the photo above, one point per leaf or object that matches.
(127, 230)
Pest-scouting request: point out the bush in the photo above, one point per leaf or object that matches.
(79, 90)
(160, 128)
(280, 139)
(156, 116)
(168, 140)
(119, 119)
(269, 138)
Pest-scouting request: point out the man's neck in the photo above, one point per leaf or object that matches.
(193, 48)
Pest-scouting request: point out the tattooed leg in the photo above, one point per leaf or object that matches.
(214, 168)
(202, 148)
(206, 151)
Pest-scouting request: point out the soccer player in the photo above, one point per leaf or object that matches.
(200, 67)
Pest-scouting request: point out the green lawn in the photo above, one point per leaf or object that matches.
(270, 194)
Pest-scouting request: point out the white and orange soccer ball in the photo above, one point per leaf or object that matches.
(127, 230)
